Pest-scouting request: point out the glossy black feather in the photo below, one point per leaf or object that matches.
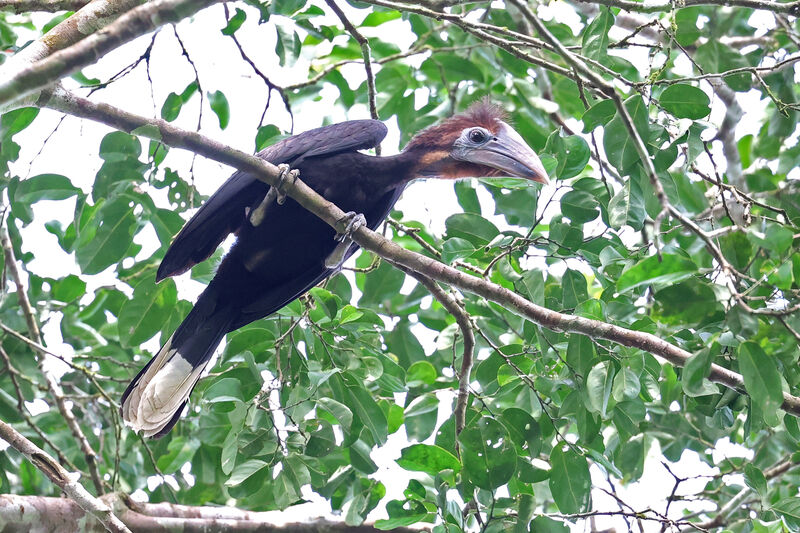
(224, 211)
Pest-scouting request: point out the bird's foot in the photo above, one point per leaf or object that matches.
(354, 221)
(286, 175)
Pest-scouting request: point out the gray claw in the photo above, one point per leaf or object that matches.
(286, 174)
(276, 193)
(354, 221)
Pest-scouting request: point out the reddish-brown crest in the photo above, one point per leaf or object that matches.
(442, 135)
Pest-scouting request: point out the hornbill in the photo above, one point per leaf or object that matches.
(282, 251)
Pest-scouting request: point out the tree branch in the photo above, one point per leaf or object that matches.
(372, 241)
(366, 54)
(52, 381)
(63, 479)
(59, 514)
(736, 501)
(465, 325)
(49, 6)
(791, 8)
(30, 78)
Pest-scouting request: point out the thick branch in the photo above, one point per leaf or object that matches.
(59, 514)
(135, 23)
(90, 18)
(370, 240)
(791, 8)
(49, 6)
(63, 479)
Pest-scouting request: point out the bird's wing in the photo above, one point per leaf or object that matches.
(225, 211)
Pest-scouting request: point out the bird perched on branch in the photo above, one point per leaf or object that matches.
(282, 250)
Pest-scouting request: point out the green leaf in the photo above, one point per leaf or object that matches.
(244, 471)
(471, 227)
(619, 144)
(381, 284)
(626, 385)
(761, 379)
(666, 270)
(685, 101)
(15, 121)
(695, 373)
(570, 483)
(109, 237)
(420, 373)
(219, 104)
(266, 136)
(179, 451)
(598, 387)
(171, 107)
(428, 458)
(755, 479)
(595, 35)
(626, 207)
(119, 146)
(340, 412)
(686, 21)
(401, 517)
(580, 353)
(717, 57)
(545, 524)
(67, 289)
(456, 248)
(467, 196)
(598, 115)
(364, 407)
(38, 188)
(144, 314)
(579, 206)
(376, 18)
(287, 46)
(235, 22)
(360, 459)
(420, 417)
(489, 457)
(789, 509)
(571, 152)
(523, 429)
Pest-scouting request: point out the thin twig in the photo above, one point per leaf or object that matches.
(65, 480)
(365, 52)
(52, 381)
(465, 325)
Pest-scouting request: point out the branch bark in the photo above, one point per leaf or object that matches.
(465, 325)
(22, 513)
(66, 481)
(790, 8)
(370, 240)
(49, 6)
(30, 78)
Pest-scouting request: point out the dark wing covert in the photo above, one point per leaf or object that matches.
(224, 212)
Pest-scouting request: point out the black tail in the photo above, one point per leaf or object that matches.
(154, 400)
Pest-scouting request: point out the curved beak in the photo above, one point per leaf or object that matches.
(509, 153)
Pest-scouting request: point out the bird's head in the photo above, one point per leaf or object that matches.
(476, 143)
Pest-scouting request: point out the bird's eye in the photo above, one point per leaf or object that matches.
(477, 135)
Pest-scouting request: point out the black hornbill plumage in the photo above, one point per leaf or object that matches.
(282, 251)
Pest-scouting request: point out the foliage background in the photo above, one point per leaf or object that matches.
(704, 256)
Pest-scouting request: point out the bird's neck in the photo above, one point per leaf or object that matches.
(413, 163)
